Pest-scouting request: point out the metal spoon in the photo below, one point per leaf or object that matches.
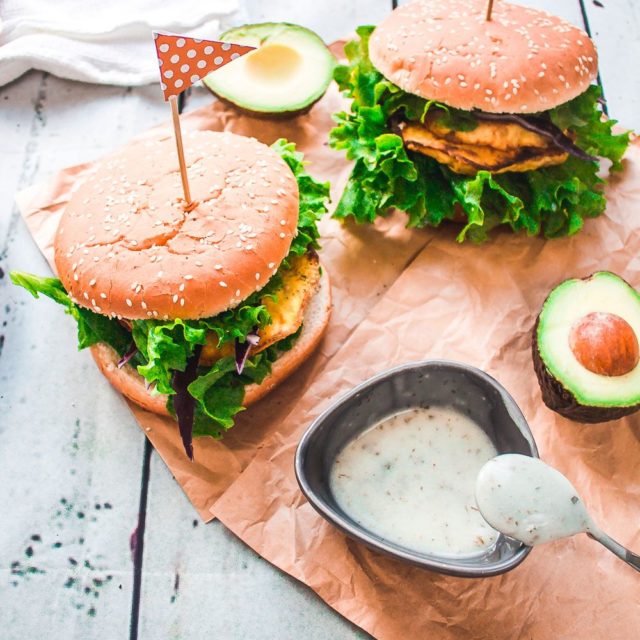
(528, 500)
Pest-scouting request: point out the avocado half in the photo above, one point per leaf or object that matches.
(286, 75)
(567, 386)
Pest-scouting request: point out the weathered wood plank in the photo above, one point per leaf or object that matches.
(21, 124)
(200, 581)
(223, 589)
(71, 453)
(615, 27)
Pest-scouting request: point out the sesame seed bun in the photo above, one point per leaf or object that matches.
(521, 61)
(316, 318)
(127, 248)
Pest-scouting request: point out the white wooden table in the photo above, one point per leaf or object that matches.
(75, 488)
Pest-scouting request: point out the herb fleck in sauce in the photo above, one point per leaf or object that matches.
(410, 479)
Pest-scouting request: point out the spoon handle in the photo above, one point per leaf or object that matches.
(632, 559)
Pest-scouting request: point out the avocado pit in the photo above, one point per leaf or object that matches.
(605, 344)
(273, 62)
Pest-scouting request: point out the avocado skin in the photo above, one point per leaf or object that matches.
(562, 401)
(265, 115)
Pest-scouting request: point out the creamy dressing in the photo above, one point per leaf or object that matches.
(410, 479)
(530, 501)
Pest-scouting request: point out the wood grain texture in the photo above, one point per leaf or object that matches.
(615, 27)
(200, 581)
(71, 453)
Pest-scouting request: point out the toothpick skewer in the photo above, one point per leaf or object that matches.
(489, 9)
(173, 101)
(182, 62)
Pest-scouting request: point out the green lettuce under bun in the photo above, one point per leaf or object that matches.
(162, 351)
(552, 201)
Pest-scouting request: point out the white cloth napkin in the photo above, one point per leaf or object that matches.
(101, 41)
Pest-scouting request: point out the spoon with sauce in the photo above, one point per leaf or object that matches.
(528, 500)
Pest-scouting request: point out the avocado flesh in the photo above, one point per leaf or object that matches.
(568, 387)
(290, 70)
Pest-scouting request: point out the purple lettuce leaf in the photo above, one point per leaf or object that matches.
(183, 401)
(541, 126)
(243, 349)
(131, 351)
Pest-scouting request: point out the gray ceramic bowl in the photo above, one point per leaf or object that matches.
(432, 382)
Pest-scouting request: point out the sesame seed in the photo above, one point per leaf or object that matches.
(85, 295)
(257, 276)
(92, 282)
(181, 287)
(129, 303)
(282, 235)
(182, 302)
(237, 293)
(75, 277)
(217, 267)
(188, 277)
(143, 304)
(175, 298)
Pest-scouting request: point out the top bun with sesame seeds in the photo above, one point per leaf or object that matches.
(127, 247)
(523, 60)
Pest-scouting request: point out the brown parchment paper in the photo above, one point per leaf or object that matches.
(476, 304)
(362, 262)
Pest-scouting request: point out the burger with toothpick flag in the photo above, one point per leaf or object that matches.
(194, 310)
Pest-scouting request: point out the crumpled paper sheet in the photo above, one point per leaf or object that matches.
(477, 304)
(362, 262)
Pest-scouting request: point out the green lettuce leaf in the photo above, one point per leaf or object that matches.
(220, 391)
(92, 327)
(552, 201)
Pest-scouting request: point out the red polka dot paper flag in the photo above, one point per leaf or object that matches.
(183, 61)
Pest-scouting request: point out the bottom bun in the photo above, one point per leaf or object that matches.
(316, 318)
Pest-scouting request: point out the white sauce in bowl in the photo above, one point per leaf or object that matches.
(530, 501)
(410, 479)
